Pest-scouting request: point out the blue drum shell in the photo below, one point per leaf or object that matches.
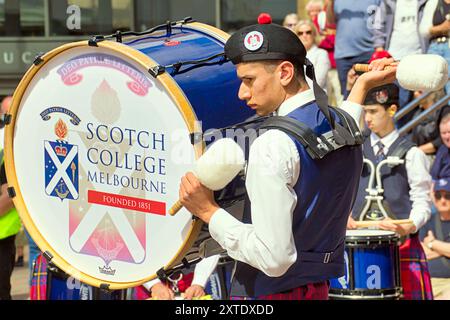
(211, 87)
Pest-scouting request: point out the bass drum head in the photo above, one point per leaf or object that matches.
(95, 153)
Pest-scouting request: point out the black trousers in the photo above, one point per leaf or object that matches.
(7, 259)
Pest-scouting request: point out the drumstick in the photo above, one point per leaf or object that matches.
(361, 67)
(223, 161)
(365, 224)
(175, 208)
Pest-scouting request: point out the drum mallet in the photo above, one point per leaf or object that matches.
(223, 160)
(425, 72)
(366, 224)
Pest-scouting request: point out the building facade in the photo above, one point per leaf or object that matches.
(30, 27)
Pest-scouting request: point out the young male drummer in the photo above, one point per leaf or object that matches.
(293, 240)
(406, 187)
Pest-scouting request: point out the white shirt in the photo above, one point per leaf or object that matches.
(272, 172)
(417, 167)
(321, 61)
(405, 35)
(202, 271)
(427, 20)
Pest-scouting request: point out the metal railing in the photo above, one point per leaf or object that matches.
(423, 115)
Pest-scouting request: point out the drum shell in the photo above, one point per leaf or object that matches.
(60, 286)
(219, 105)
(372, 269)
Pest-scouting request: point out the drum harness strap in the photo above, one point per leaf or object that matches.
(395, 157)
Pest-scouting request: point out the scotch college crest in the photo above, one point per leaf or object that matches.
(61, 165)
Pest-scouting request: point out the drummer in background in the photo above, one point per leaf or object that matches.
(406, 188)
(293, 240)
(202, 272)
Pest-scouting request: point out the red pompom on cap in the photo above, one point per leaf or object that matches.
(264, 18)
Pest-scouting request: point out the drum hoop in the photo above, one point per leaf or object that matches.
(176, 95)
(365, 293)
(361, 241)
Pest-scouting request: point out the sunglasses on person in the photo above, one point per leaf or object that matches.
(300, 33)
(439, 195)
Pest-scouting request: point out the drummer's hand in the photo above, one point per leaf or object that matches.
(198, 199)
(351, 223)
(194, 291)
(161, 292)
(374, 78)
(401, 229)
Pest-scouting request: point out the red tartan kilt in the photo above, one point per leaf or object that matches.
(416, 281)
(311, 291)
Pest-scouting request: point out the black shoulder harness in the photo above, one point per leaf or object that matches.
(316, 146)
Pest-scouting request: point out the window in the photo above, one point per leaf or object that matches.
(32, 18)
(22, 18)
(155, 12)
(236, 14)
(2, 17)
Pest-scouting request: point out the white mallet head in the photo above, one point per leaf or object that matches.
(223, 160)
(425, 72)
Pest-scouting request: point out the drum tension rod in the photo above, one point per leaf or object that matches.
(48, 256)
(157, 70)
(119, 34)
(38, 59)
(6, 118)
(169, 28)
(104, 286)
(11, 192)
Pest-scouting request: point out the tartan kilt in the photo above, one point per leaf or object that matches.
(416, 280)
(311, 291)
(38, 288)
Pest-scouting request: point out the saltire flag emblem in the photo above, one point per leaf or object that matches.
(61, 170)
(61, 166)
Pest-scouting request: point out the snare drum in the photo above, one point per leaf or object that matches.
(372, 266)
(101, 133)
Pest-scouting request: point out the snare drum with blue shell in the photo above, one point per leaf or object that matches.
(111, 125)
(372, 266)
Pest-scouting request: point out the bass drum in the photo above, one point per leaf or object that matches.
(100, 135)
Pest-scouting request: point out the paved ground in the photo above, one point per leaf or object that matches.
(19, 282)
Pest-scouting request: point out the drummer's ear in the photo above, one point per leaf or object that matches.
(287, 72)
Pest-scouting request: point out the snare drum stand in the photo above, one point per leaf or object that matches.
(374, 209)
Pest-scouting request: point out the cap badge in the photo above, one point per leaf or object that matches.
(442, 182)
(253, 40)
(381, 96)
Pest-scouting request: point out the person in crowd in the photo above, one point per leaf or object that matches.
(426, 134)
(316, 14)
(355, 21)
(406, 186)
(9, 227)
(398, 33)
(307, 34)
(290, 21)
(327, 42)
(435, 28)
(435, 237)
(441, 164)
